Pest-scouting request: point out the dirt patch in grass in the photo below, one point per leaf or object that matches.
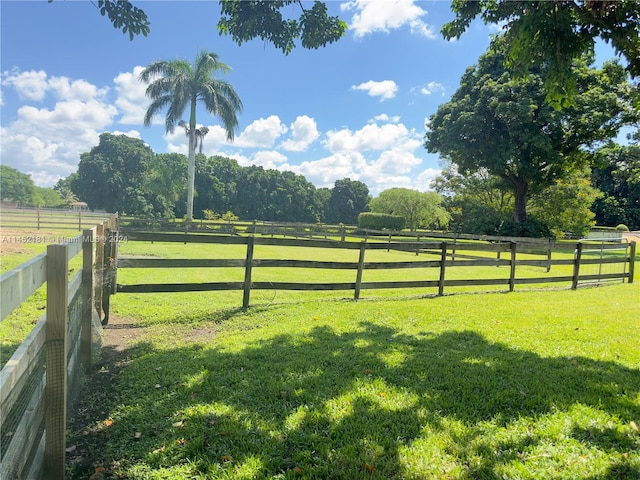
(21, 241)
(87, 428)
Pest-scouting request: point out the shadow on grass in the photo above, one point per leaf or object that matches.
(373, 403)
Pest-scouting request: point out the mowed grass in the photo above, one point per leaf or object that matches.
(16, 248)
(522, 385)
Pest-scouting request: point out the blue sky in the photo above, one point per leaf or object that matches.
(356, 108)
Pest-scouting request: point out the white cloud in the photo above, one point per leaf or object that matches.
(29, 85)
(432, 87)
(304, 131)
(369, 137)
(325, 171)
(47, 142)
(132, 102)
(261, 133)
(385, 89)
(383, 16)
(383, 117)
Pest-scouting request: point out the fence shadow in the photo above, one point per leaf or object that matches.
(324, 401)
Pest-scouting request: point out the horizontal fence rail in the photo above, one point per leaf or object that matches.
(50, 219)
(39, 381)
(438, 255)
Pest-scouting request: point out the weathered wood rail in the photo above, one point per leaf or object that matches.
(50, 219)
(438, 255)
(38, 382)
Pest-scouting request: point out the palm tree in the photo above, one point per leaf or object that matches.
(200, 133)
(178, 84)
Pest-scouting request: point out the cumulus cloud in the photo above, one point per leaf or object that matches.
(432, 87)
(383, 117)
(369, 137)
(325, 171)
(31, 85)
(261, 133)
(47, 142)
(383, 16)
(304, 131)
(385, 89)
(132, 102)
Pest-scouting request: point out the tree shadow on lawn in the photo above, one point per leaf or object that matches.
(373, 403)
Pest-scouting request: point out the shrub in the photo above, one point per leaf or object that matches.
(380, 221)
(210, 214)
(531, 227)
(622, 228)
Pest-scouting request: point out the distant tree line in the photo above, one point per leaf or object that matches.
(123, 174)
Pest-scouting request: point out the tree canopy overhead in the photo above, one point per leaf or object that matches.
(248, 19)
(555, 33)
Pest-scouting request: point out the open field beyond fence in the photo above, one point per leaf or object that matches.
(366, 398)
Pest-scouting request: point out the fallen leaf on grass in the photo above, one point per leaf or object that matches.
(367, 371)
(298, 470)
(108, 422)
(137, 436)
(70, 449)
(382, 394)
(158, 450)
(634, 425)
(179, 424)
(226, 458)
(370, 468)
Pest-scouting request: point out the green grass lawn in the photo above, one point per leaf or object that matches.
(522, 385)
(532, 384)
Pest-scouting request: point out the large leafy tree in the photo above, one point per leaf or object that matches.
(419, 209)
(166, 180)
(503, 124)
(616, 173)
(349, 198)
(111, 175)
(15, 186)
(555, 33)
(176, 85)
(565, 207)
(477, 202)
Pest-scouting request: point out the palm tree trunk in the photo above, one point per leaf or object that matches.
(191, 174)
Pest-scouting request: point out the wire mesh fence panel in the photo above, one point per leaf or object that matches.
(603, 262)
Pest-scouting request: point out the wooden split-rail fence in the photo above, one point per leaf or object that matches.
(38, 383)
(439, 255)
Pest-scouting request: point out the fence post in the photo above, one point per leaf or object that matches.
(97, 297)
(632, 260)
(248, 265)
(512, 273)
(56, 352)
(108, 277)
(363, 247)
(38, 210)
(88, 258)
(443, 262)
(576, 266)
(80, 220)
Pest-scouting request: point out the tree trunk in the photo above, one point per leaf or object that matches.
(521, 192)
(191, 169)
(191, 174)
